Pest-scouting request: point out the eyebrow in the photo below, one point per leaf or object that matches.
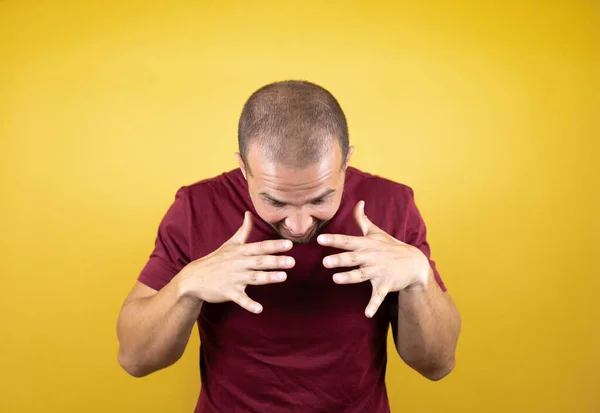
(326, 193)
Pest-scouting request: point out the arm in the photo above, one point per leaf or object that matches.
(156, 320)
(427, 328)
(154, 327)
(426, 323)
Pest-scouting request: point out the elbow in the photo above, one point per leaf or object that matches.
(135, 372)
(130, 366)
(137, 367)
(432, 368)
(439, 371)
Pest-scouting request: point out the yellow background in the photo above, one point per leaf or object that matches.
(489, 110)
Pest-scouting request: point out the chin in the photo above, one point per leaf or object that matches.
(304, 240)
(301, 241)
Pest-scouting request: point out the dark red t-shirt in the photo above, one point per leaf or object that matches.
(312, 349)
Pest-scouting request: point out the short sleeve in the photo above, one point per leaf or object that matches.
(171, 246)
(416, 235)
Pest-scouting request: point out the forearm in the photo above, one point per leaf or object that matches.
(427, 329)
(154, 331)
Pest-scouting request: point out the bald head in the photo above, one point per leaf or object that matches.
(293, 123)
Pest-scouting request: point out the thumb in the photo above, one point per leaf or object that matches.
(364, 223)
(243, 233)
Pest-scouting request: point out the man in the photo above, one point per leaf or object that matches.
(294, 265)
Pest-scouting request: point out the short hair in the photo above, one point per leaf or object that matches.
(294, 122)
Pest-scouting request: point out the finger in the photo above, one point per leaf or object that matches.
(377, 297)
(242, 234)
(242, 299)
(266, 262)
(344, 242)
(363, 222)
(355, 276)
(350, 259)
(267, 247)
(265, 277)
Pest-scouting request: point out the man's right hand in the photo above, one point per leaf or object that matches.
(224, 274)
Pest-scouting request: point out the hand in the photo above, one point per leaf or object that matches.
(224, 274)
(390, 265)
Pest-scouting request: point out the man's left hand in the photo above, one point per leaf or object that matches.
(390, 264)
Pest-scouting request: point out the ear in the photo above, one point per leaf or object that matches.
(241, 164)
(350, 151)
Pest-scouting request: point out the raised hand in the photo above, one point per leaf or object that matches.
(389, 264)
(224, 274)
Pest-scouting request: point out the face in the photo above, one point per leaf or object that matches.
(297, 203)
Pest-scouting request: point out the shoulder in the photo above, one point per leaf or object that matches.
(388, 203)
(211, 209)
(371, 185)
(207, 199)
(213, 189)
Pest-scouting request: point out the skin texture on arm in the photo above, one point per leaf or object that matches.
(154, 327)
(428, 323)
(426, 329)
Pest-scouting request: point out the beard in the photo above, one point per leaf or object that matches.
(314, 232)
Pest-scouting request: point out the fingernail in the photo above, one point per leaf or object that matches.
(256, 308)
(323, 239)
(286, 244)
(340, 278)
(328, 262)
(280, 276)
(370, 312)
(289, 261)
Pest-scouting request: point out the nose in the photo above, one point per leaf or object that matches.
(299, 223)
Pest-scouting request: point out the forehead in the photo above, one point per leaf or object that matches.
(274, 177)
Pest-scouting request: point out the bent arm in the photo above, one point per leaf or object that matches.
(154, 328)
(426, 329)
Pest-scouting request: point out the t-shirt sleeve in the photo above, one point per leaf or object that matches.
(416, 235)
(171, 246)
